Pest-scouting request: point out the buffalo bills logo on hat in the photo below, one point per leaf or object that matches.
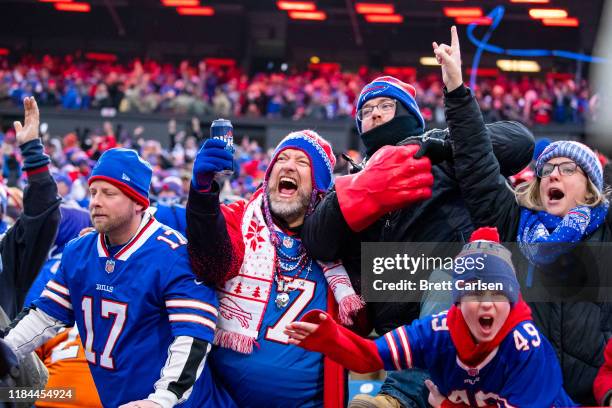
(374, 89)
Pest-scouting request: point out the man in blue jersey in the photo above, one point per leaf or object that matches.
(146, 323)
(264, 277)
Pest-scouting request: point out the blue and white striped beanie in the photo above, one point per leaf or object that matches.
(579, 153)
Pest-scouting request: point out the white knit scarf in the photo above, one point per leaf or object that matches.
(244, 298)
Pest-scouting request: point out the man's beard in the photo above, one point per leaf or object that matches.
(111, 224)
(289, 211)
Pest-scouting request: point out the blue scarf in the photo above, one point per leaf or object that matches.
(540, 227)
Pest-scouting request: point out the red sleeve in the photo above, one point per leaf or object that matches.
(341, 345)
(602, 388)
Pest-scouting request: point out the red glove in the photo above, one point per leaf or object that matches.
(392, 179)
(602, 388)
(341, 345)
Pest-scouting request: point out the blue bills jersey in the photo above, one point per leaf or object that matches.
(129, 306)
(522, 372)
(277, 374)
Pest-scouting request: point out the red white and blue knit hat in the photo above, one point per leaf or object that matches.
(391, 88)
(579, 153)
(318, 150)
(127, 171)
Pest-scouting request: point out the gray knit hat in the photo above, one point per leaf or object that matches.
(578, 152)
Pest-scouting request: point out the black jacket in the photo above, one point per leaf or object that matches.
(26, 245)
(578, 331)
(442, 218)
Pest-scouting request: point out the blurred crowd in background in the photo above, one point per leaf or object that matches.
(150, 86)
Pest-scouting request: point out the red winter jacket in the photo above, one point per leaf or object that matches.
(602, 388)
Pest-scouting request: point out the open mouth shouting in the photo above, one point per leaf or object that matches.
(485, 323)
(287, 187)
(555, 194)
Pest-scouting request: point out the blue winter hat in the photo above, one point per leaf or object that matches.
(579, 153)
(392, 88)
(484, 259)
(126, 170)
(61, 177)
(318, 150)
(540, 145)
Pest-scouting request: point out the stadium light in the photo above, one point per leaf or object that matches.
(374, 8)
(485, 21)
(384, 18)
(428, 61)
(462, 11)
(398, 71)
(73, 7)
(220, 62)
(484, 72)
(308, 15)
(561, 22)
(547, 13)
(531, 1)
(296, 5)
(101, 56)
(181, 3)
(518, 66)
(195, 11)
(55, 1)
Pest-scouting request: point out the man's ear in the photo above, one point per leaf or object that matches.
(140, 208)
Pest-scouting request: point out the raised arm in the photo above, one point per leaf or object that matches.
(215, 243)
(489, 199)
(26, 245)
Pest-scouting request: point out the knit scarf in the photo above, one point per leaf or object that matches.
(540, 227)
(472, 353)
(244, 298)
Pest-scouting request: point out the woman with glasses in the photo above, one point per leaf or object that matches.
(550, 217)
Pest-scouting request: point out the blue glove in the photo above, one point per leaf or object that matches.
(212, 158)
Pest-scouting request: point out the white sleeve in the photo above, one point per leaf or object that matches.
(31, 332)
(186, 359)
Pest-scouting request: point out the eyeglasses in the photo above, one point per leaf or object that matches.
(384, 107)
(565, 169)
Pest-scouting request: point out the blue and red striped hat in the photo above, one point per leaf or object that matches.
(318, 150)
(391, 88)
(127, 171)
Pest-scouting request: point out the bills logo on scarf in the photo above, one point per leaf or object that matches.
(229, 310)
